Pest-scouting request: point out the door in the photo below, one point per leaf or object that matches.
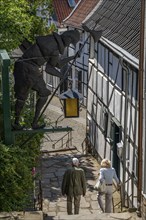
(116, 137)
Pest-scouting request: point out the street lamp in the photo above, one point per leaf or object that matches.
(71, 102)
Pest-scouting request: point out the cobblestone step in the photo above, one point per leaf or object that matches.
(35, 215)
(103, 216)
(38, 215)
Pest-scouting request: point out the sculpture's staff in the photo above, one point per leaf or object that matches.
(96, 35)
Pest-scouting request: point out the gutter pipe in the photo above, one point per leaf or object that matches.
(140, 115)
(144, 165)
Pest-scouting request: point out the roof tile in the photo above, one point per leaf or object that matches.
(120, 22)
(80, 13)
(62, 9)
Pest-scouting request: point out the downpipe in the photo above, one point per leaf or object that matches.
(140, 113)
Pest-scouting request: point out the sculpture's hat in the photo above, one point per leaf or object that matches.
(71, 36)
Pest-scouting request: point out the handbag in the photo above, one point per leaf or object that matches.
(100, 187)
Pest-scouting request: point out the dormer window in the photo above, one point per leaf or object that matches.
(72, 3)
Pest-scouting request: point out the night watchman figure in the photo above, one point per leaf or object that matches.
(47, 50)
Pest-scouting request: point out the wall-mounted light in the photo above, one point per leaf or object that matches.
(120, 149)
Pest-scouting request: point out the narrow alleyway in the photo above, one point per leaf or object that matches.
(53, 166)
(51, 170)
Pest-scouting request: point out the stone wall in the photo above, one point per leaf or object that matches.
(143, 206)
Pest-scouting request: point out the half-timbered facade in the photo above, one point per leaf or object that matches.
(112, 102)
(79, 75)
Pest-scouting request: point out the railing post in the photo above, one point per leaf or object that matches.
(5, 63)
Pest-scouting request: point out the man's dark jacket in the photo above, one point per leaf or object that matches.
(74, 182)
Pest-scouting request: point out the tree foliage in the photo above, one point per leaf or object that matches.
(16, 174)
(17, 162)
(19, 21)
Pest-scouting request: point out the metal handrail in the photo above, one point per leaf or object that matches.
(67, 143)
(40, 196)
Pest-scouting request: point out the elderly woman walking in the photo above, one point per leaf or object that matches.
(107, 174)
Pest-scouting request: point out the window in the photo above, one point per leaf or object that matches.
(80, 81)
(72, 3)
(49, 80)
(113, 129)
(104, 120)
(80, 51)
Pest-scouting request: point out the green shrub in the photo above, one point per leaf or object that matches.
(16, 179)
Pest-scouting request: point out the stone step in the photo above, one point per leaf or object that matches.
(102, 216)
(34, 215)
(38, 215)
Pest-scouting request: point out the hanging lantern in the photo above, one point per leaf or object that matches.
(71, 103)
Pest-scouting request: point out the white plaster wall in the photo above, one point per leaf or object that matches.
(123, 111)
(131, 121)
(99, 85)
(111, 98)
(100, 144)
(90, 101)
(105, 92)
(117, 105)
(108, 150)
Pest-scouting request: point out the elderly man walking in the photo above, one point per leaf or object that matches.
(73, 186)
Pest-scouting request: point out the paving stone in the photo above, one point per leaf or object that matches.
(46, 202)
(48, 163)
(46, 182)
(94, 205)
(51, 216)
(84, 203)
(54, 185)
(60, 173)
(48, 175)
(53, 179)
(121, 215)
(33, 216)
(51, 209)
(62, 209)
(62, 204)
(46, 193)
(52, 204)
(88, 200)
(94, 197)
(85, 211)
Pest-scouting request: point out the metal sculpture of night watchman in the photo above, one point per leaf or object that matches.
(27, 74)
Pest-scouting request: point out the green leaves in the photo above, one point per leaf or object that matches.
(19, 21)
(15, 23)
(16, 178)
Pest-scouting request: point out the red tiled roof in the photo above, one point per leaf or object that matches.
(80, 13)
(62, 9)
